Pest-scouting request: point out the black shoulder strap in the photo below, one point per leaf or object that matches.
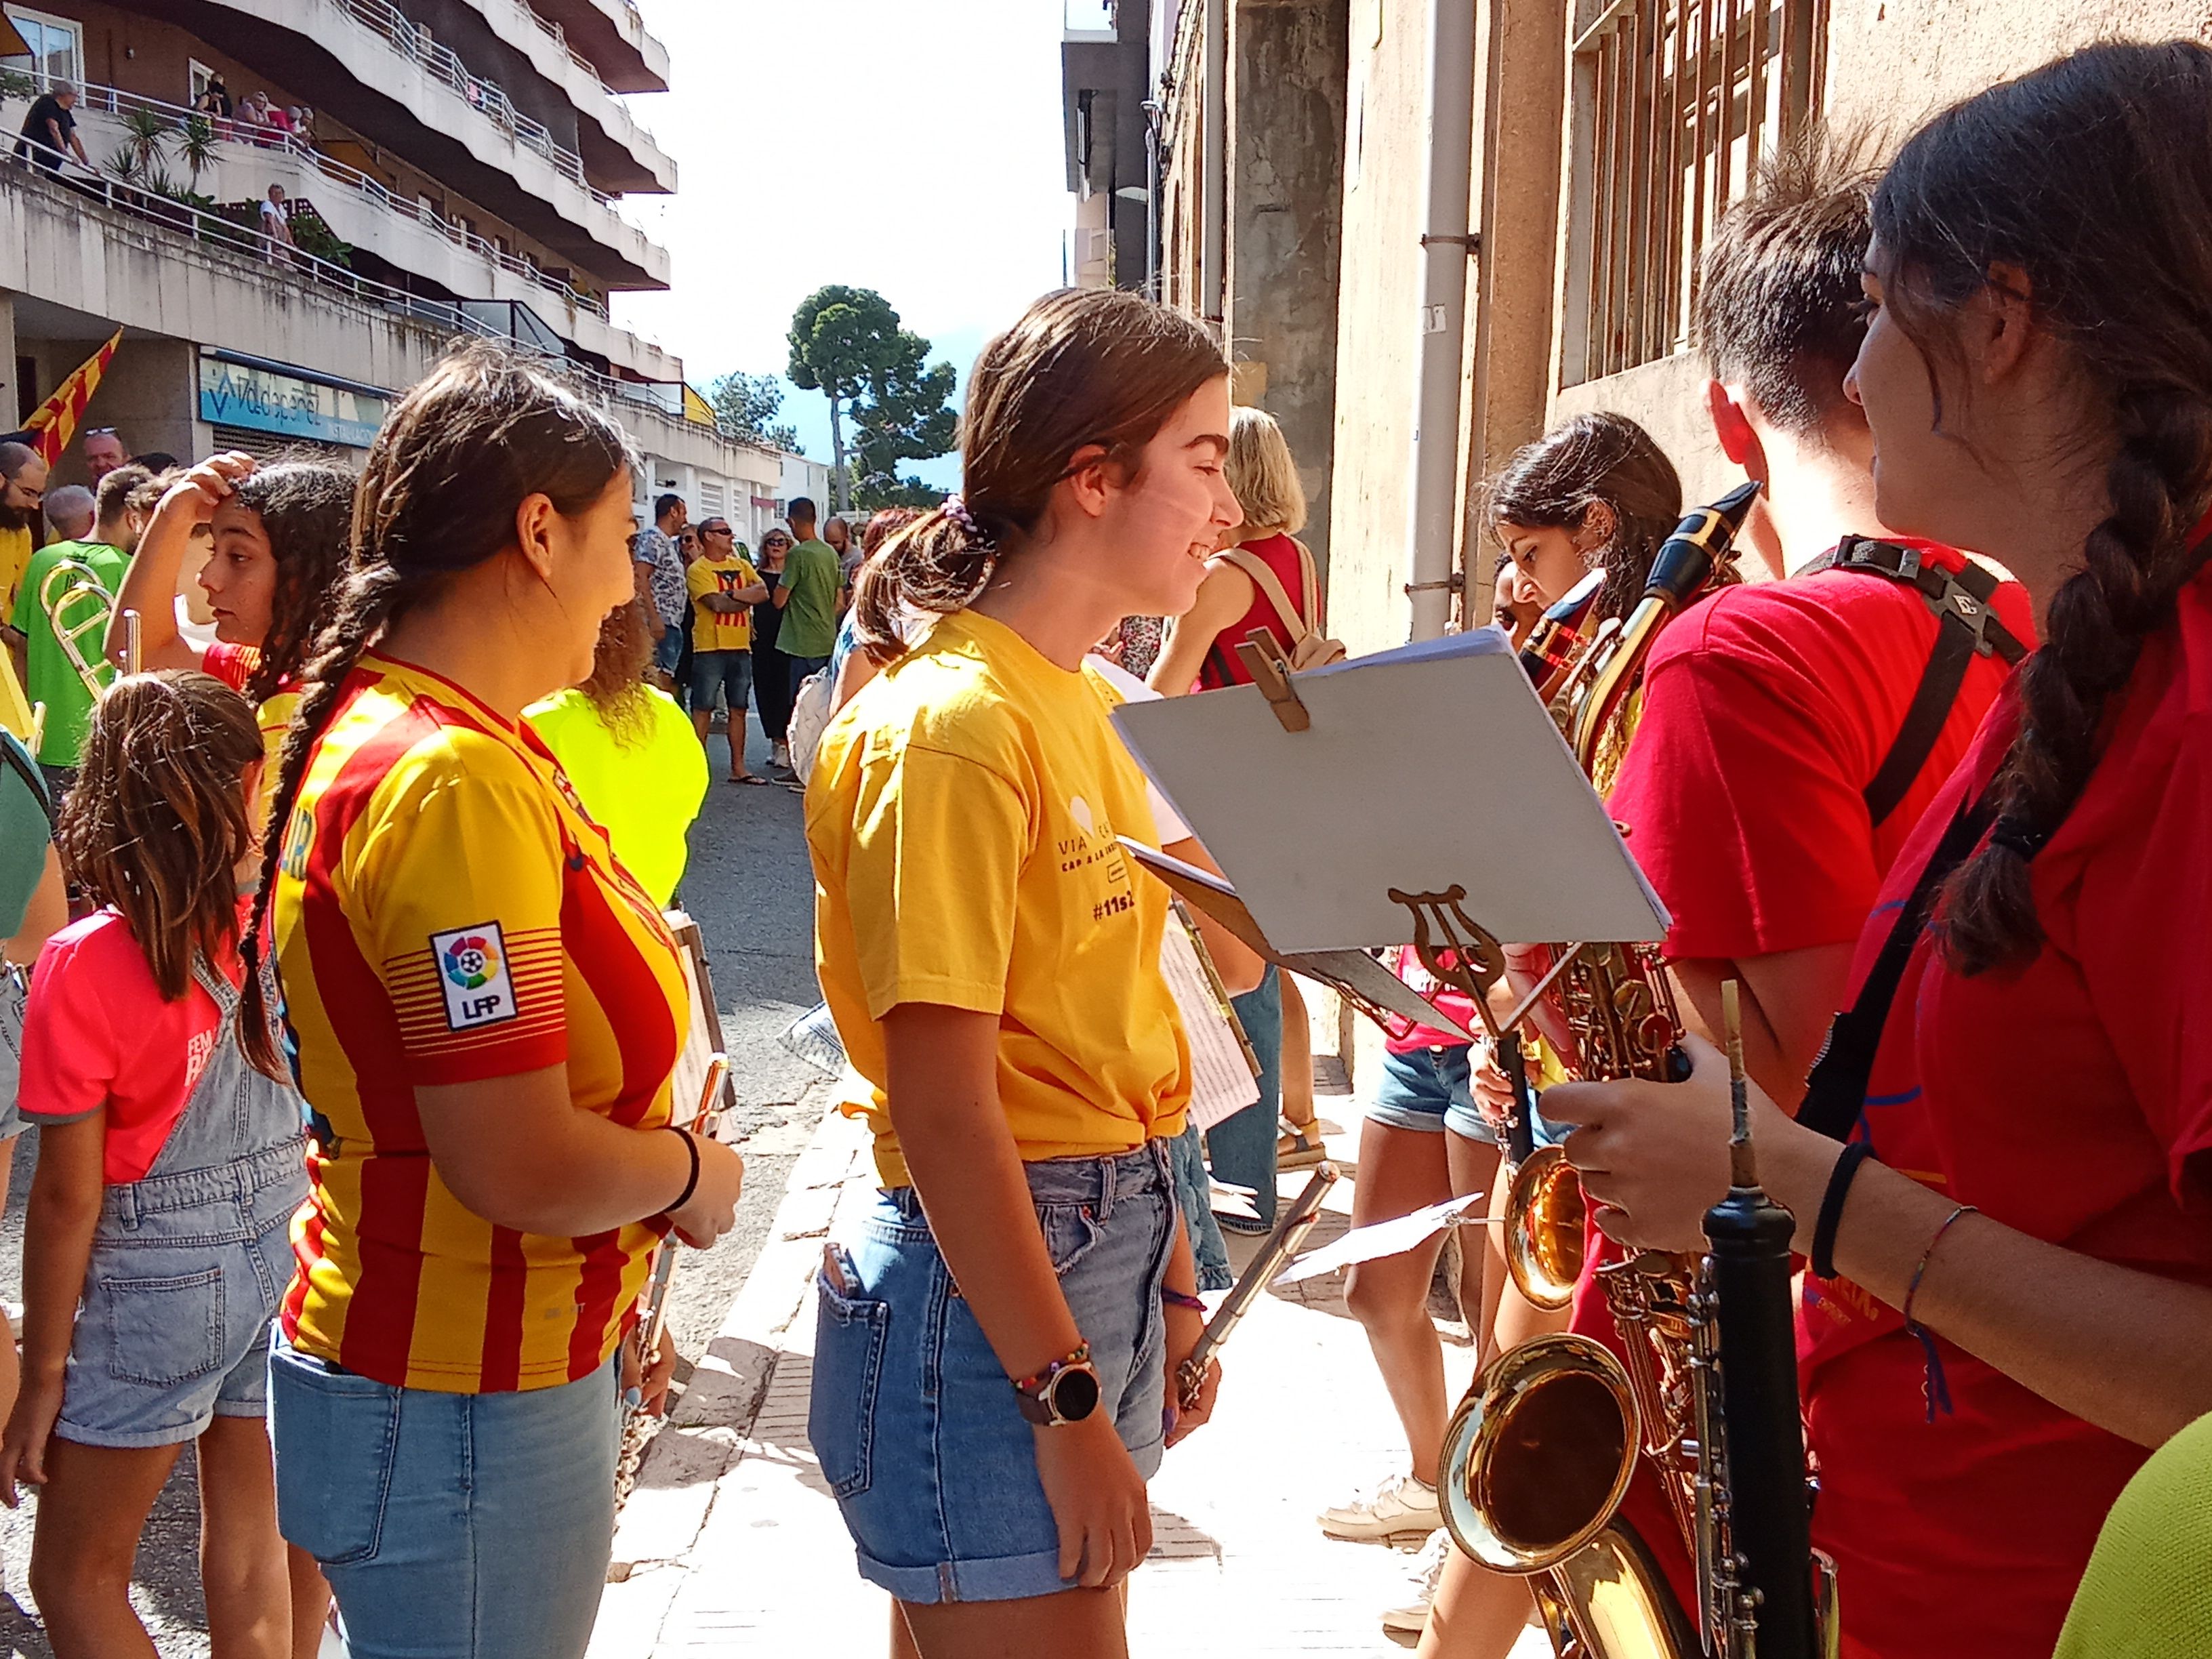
(1968, 627)
(1835, 1090)
(18, 760)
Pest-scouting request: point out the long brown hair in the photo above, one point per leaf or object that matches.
(458, 455)
(158, 819)
(306, 509)
(1082, 366)
(616, 687)
(1600, 459)
(2092, 176)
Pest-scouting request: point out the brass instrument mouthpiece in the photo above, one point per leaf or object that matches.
(1684, 564)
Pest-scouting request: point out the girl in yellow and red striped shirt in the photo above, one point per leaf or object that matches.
(484, 1010)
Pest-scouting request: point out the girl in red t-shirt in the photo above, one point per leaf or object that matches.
(168, 1171)
(1596, 494)
(2011, 1299)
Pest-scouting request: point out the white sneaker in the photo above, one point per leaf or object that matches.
(1422, 1578)
(1402, 1511)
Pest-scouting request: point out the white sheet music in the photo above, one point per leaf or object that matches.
(1222, 1083)
(1425, 767)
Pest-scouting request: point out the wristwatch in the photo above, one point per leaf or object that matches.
(1066, 1391)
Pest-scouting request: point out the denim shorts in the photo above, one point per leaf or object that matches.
(173, 1328)
(916, 1426)
(1429, 1090)
(476, 1524)
(669, 649)
(715, 673)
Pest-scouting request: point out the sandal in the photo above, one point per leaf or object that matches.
(753, 778)
(1299, 1146)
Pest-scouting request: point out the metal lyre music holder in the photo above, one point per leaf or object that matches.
(1459, 952)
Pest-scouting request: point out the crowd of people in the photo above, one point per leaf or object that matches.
(352, 1007)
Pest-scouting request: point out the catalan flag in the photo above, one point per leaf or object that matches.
(55, 420)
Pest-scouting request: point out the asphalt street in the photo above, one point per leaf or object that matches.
(752, 892)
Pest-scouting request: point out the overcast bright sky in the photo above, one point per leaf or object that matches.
(912, 148)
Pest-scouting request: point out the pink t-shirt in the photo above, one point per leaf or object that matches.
(97, 1033)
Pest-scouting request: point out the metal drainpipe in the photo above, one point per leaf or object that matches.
(1152, 183)
(1213, 161)
(1433, 517)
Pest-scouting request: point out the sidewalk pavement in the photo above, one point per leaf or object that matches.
(731, 1543)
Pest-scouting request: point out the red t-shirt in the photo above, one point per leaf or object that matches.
(1767, 710)
(2071, 1099)
(1223, 666)
(97, 1032)
(233, 665)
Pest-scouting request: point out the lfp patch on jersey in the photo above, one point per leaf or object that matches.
(472, 971)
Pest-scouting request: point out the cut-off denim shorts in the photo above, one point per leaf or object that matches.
(1431, 1090)
(913, 1418)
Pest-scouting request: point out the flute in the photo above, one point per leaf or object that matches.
(1282, 1244)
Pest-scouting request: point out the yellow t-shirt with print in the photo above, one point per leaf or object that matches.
(962, 815)
(720, 631)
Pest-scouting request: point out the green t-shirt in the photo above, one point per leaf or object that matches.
(812, 577)
(52, 681)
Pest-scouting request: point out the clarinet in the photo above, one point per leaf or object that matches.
(1762, 1438)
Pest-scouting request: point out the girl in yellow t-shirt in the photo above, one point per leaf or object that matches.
(991, 1361)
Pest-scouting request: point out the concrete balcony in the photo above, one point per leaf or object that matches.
(365, 63)
(612, 34)
(80, 255)
(617, 150)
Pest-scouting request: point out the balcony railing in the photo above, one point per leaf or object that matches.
(370, 189)
(559, 36)
(415, 43)
(283, 261)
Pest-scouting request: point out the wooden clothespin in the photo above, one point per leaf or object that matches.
(1261, 654)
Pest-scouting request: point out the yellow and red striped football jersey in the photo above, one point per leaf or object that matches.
(445, 912)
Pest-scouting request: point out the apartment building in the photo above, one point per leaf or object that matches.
(451, 168)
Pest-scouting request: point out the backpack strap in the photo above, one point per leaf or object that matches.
(1836, 1089)
(1296, 623)
(1966, 628)
(1310, 575)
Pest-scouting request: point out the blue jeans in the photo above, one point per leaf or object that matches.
(669, 650)
(1243, 1148)
(716, 674)
(803, 668)
(451, 1525)
(1195, 1201)
(920, 1439)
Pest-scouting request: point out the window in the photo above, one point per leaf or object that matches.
(1676, 102)
(201, 75)
(56, 48)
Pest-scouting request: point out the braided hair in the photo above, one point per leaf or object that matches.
(457, 457)
(306, 509)
(2092, 176)
(1082, 366)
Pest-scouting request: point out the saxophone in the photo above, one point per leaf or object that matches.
(1538, 1459)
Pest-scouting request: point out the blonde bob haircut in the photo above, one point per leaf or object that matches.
(1263, 477)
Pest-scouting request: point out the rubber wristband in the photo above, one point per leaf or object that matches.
(1181, 1299)
(1831, 1207)
(692, 1185)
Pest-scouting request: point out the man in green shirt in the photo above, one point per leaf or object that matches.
(808, 596)
(52, 679)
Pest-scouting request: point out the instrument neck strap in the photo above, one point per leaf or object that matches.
(1836, 1089)
(1966, 628)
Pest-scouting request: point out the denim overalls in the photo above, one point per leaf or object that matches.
(188, 1263)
